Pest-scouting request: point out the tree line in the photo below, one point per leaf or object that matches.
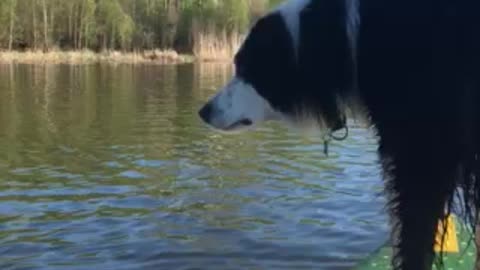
(127, 25)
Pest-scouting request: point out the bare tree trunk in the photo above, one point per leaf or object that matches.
(85, 37)
(173, 18)
(70, 15)
(104, 38)
(52, 24)
(80, 28)
(134, 11)
(45, 25)
(112, 40)
(74, 30)
(34, 26)
(12, 19)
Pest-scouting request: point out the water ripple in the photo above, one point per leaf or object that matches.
(110, 168)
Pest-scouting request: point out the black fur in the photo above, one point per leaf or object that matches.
(417, 73)
(419, 78)
(266, 60)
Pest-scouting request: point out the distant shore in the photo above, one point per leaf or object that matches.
(154, 57)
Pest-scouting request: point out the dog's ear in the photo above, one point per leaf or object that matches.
(267, 61)
(324, 47)
(268, 42)
(325, 58)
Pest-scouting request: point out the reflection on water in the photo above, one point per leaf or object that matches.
(109, 167)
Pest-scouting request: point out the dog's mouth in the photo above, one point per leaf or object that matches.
(245, 122)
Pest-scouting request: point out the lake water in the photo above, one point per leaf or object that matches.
(109, 167)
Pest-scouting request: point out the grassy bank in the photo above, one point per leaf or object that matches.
(212, 46)
(208, 46)
(156, 57)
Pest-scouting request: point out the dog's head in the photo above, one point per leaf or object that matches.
(269, 81)
(264, 69)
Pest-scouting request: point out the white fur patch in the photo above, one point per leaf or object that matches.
(353, 20)
(238, 106)
(290, 11)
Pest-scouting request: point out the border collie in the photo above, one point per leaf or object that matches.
(411, 67)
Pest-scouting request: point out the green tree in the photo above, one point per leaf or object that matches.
(123, 24)
(7, 22)
(234, 15)
(115, 27)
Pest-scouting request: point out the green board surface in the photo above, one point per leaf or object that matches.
(462, 260)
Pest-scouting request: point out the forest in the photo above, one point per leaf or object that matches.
(197, 27)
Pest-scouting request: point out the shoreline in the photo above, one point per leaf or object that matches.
(83, 57)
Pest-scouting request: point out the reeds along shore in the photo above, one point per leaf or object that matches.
(90, 57)
(208, 47)
(216, 46)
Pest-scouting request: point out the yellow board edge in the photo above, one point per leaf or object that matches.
(450, 243)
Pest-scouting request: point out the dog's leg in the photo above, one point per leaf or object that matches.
(419, 187)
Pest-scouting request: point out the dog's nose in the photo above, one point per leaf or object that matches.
(206, 112)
